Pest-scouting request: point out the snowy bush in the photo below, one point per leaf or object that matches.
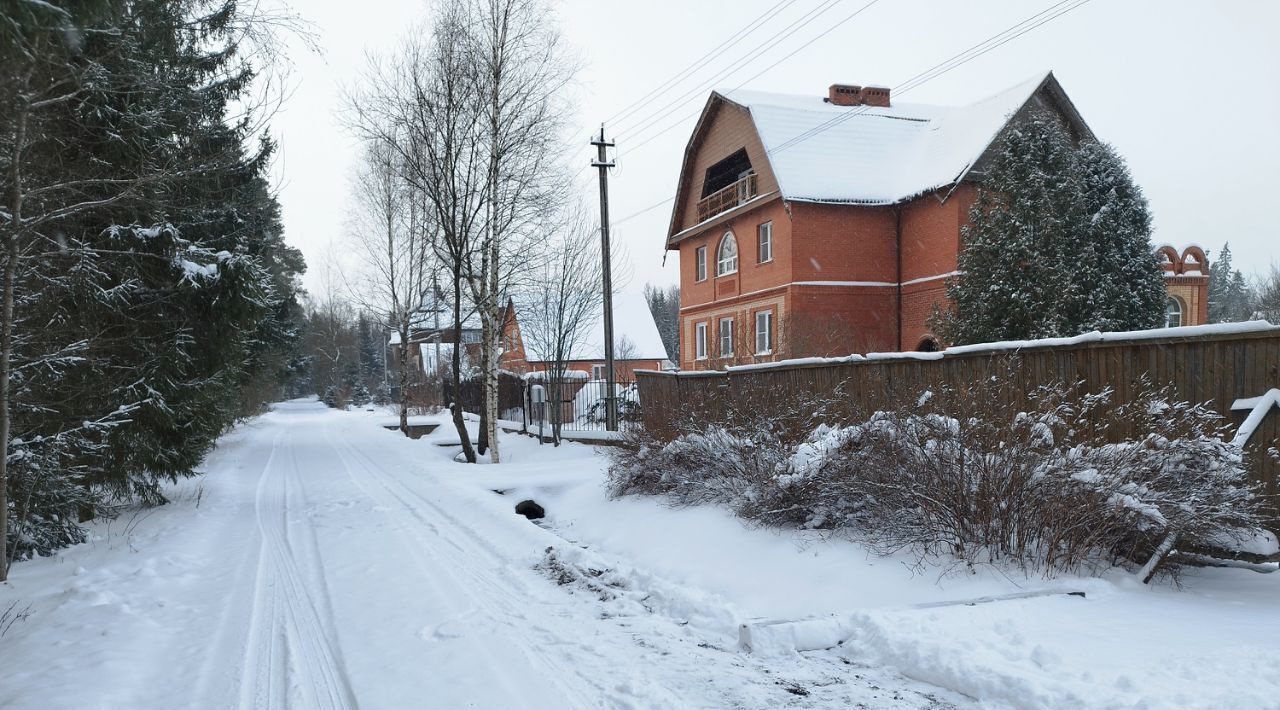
(1077, 482)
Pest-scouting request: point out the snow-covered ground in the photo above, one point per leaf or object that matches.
(325, 562)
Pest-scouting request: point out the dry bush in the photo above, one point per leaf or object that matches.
(1065, 485)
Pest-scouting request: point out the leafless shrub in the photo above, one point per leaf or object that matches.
(1074, 483)
(11, 616)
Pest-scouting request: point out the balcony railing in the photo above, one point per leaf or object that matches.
(728, 198)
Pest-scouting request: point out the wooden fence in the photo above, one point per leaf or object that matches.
(1204, 365)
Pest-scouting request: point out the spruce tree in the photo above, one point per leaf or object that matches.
(155, 295)
(1231, 299)
(1123, 285)
(1020, 250)
(1058, 243)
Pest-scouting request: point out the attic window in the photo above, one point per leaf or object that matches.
(726, 172)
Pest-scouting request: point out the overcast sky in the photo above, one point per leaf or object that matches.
(1188, 91)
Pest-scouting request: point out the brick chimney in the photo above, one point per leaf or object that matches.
(845, 95)
(876, 96)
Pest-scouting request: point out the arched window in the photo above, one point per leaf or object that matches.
(1173, 313)
(727, 255)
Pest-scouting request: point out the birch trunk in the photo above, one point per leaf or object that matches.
(456, 405)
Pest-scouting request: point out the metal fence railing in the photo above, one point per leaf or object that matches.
(578, 405)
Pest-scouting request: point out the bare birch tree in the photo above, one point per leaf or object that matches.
(522, 73)
(395, 239)
(560, 309)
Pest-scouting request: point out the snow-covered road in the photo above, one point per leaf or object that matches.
(319, 564)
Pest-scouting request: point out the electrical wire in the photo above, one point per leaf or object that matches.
(991, 43)
(702, 61)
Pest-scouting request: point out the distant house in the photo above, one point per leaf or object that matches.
(432, 338)
(637, 344)
(821, 225)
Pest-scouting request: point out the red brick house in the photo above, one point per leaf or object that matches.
(824, 225)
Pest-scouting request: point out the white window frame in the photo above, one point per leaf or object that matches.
(597, 372)
(700, 264)
(1168, 312)
(700, 341)
(727, 266)
(767, 331)
(726, 335)
(764, 243)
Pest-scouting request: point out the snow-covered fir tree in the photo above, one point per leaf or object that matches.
(1122, 285)
(143, 254)
(1058, 243)
(1231, 299)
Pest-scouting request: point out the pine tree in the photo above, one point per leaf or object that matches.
(1058, 244)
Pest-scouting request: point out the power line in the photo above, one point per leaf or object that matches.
(785, 33)
(1005, 36)
(744, 82)
(703, 60)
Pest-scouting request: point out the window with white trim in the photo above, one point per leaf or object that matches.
(700, 341)
(700, 264)
(727, 255)
(726, 337)
(764, 242)
(597, 372)
(1173, 313)
(764, 332)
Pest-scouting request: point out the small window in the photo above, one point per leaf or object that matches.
(700, 264)
(700, 341)
(727, 255)
(764, 235)
(1173, 313)
(726, 337)
(764, 332)
(597, 372)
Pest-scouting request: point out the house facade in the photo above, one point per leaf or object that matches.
(811, 225)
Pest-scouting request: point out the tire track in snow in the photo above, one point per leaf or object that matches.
(242, 651)
(309, 646)
(489, 595)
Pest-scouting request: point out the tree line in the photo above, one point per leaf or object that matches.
(149, 299)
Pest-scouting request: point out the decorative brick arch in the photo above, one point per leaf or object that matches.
(1193, 259)
(1169, 258)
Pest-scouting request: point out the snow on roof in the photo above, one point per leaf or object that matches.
(875, 155)
(632, 320)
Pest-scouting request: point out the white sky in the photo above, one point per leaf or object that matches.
(1189, 92)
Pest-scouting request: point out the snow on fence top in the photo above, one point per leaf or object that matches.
(1192, 331)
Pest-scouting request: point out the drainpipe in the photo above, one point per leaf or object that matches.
(897, 230)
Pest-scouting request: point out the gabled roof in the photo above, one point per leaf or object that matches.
(820, 152)
(632, 320)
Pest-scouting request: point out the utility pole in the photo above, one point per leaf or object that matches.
(603, 163)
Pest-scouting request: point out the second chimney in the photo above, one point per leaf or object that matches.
(845, 95)
(876, 96)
